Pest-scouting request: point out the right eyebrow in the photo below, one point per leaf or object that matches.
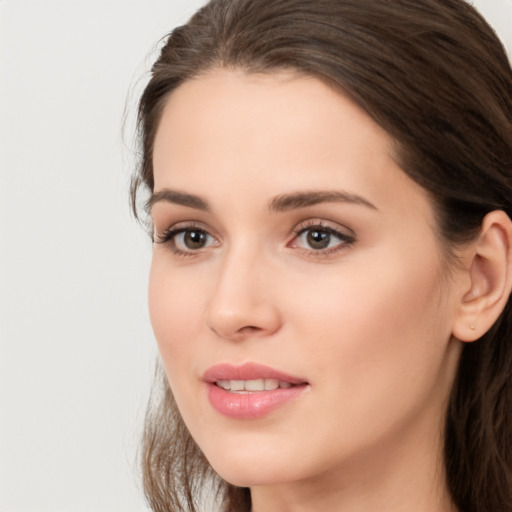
(304, 199)
(176, 197)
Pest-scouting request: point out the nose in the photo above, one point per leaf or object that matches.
(243, 303)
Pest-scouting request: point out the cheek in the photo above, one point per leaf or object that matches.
(175, 312)
(377, 329)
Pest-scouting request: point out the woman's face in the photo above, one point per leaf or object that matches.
(298, 291)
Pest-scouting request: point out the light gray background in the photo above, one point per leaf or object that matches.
(76, 347)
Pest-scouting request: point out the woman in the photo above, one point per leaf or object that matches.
(330, 198)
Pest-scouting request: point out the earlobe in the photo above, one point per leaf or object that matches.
(490, 277)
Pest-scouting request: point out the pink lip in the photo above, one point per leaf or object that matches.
(247, 371)
(249, 405)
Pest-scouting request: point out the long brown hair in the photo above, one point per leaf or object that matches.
(434, 75)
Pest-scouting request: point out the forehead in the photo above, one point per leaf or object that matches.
(261, 106)
(284, 130)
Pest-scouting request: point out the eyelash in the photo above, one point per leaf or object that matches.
(168, 238)
(346, 240)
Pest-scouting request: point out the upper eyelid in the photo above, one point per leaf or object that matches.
(340, 235)
(324, 224)
(328, 225)
(184, 225)
(333, 231)
(169, 235)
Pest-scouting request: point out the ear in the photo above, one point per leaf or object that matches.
(490, 277)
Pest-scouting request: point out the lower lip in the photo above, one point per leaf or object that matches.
(253, 405)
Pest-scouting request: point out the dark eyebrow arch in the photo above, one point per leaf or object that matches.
(297, 200)
(174, 196)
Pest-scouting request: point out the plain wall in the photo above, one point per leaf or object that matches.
(76, 347)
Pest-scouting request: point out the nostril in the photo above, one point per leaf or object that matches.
(250, 328)
(238, 319)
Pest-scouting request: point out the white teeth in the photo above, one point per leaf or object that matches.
(224, 384)
(253, 385)
(271, 384)
(237, 385)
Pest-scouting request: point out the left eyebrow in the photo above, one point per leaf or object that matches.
(285, 202)
(176, 197)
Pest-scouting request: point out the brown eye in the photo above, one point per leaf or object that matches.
(194, 239)
(317, 239)
(321, 239)
(187, 240)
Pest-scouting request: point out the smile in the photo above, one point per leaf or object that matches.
(248, 386)
(250, 391)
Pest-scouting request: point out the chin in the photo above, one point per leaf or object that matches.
(243, 476)
(257, 465)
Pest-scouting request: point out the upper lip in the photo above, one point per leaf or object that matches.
(247, 371)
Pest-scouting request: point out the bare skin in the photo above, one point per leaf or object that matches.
(349, 291)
